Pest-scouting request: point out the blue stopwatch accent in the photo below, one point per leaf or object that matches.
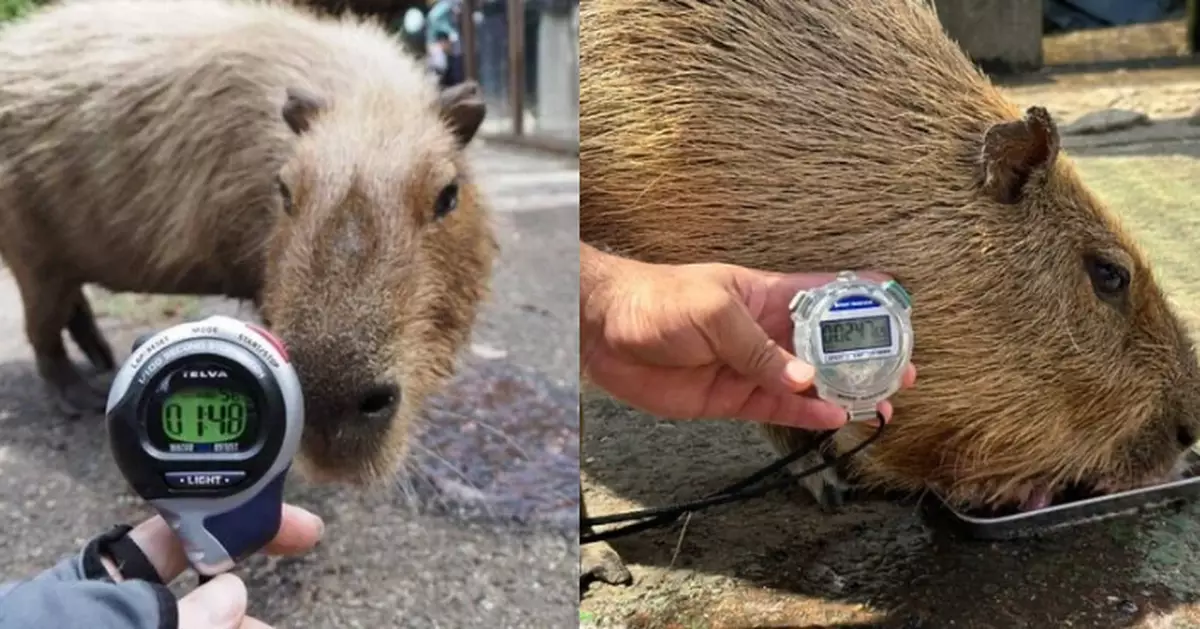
(854, 302)
(246, 529)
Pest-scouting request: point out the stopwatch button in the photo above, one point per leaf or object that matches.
(897, 291)
(796, 300)
(140, 341)
(204, 480)
(272, 339)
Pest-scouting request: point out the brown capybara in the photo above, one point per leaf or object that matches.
(854, 134)
(253, 150)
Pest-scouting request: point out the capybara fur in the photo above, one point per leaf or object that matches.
(255, 151)
(822, 135)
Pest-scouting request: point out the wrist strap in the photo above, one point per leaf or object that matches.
(131, 562)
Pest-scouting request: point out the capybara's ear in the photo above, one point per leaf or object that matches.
(1012, 151)
(463, 109)
(300, 109)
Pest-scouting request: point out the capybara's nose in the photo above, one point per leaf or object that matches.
(1186, 434)
(379, 401)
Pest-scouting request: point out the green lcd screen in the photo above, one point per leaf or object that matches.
(205, 416)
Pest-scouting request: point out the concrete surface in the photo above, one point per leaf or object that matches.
(480, 533)
(1162, 94)
(1001, 34)
(777, 561)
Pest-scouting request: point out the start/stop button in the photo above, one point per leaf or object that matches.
(272, 339)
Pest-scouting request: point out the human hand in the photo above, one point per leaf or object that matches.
(220, 603)
(705, 341)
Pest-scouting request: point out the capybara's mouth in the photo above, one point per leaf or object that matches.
(354, 455)
(1044, 498)
(1074, 492)
(1039, 498)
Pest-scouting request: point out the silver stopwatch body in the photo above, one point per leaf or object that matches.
(858, 336)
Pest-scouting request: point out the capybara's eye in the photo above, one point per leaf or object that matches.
(1108, 278)
(447, 200)
(284, 194)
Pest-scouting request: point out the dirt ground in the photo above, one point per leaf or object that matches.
(777, 562)
(1142, 42)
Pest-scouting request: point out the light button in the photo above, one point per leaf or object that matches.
(204, 480)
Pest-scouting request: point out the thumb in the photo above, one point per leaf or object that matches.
(750, 351)
(218, 604)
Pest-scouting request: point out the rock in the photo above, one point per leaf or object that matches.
(825, 578)
(1105, 121)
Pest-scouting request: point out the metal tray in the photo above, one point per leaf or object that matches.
(1070, 514)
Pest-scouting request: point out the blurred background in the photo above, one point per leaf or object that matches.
(1014, 36)
(524, 53)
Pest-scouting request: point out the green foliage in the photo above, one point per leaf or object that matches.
(12, 9)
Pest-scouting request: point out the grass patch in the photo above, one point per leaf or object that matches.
(13, 9)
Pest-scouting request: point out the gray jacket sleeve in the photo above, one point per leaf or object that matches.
(77, 593)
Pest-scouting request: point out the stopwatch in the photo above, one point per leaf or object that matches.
(204, 419)
(857, 334)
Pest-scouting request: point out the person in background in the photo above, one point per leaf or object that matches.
(409, 27)
(442, 41)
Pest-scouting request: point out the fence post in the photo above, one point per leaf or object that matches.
(1193, 26)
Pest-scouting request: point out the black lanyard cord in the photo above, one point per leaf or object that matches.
(662, 516)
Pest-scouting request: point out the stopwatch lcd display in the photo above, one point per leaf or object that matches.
(208, 419)
(850, 335)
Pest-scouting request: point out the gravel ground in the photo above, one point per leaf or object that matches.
(482, 536)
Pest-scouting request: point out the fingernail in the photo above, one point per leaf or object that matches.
(310, 519)
(798, 374)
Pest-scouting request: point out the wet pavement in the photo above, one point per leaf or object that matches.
(481, 530)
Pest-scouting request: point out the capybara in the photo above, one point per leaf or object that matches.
(256, 151)
(822, 135)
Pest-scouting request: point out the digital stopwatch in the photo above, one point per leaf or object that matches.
(858, 336)
(204, 419)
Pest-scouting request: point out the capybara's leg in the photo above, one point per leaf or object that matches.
(49, 304)
(87, 335)
(827, 486)
(598, 561)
